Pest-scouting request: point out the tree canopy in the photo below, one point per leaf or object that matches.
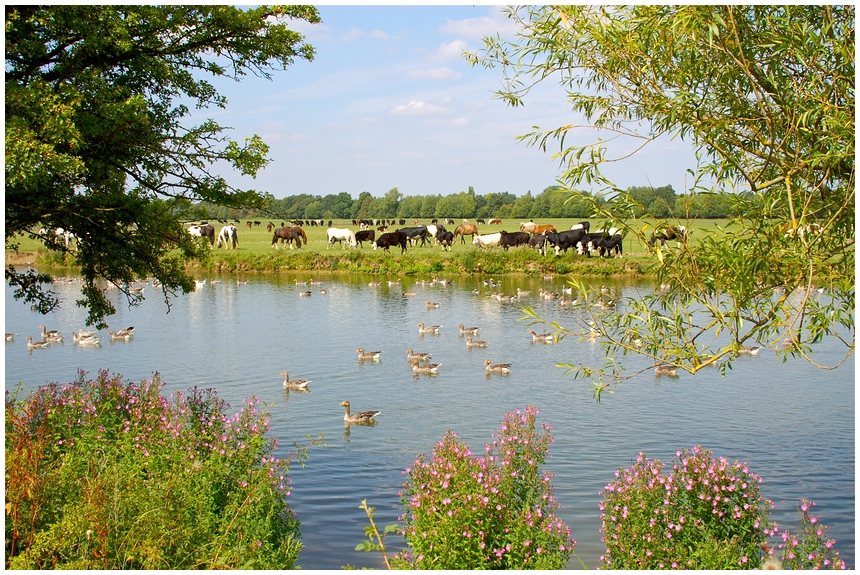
(765, 96)
(99, 141)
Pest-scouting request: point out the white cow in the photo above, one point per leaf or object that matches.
(487, 240)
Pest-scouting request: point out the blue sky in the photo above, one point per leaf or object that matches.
(389, 102)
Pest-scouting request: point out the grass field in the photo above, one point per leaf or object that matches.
(256, 254)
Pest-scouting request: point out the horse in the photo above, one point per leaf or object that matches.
(204, 231)
(464, 230)
(339, 235)
(667, 233)
(287, 236)
(229, 235)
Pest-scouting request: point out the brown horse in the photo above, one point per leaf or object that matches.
(464, 230)
(287, 236)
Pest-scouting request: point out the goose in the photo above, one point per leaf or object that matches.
(749, 350)
(129, 331)
(305, 292)
(94, 341)
(374, 284)
(80, 339)
(46, 334)
(409, 293)
(304, 283)
(425, 368)
(374, 355)
(199, 283)
(294, 383)
(241, 282)
(393, 282)
(443, 282)
(362, 417)
(82, 333)
(428, 329)
(669, 370)
(497, 367)
(521, 293)
(411, 355)
(114, 335)
(468, 330)
(474, 343)
(54, 339)
(36, 344)
(323, 292)
(542, 337)
(10, 337)
(432, 305)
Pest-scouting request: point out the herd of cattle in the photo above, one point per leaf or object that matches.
(540, 237)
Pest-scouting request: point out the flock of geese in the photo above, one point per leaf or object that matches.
(81, 338)
(419, 361)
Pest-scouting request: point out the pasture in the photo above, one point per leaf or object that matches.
(256, 254)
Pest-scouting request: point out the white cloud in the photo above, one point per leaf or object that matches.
(359, 34)
(477, 28)
(417, 108)
(444, 73)
(451, 50)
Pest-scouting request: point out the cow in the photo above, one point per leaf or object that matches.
(385, 241)
(487, 240)
(561, 241)
(464, 230)
(515, 239)
(606, 245)
(365, 236)
(581, 226)
(528, 227)
(445, 238)
(667, 233)
(480, 221)
(413, 234)
(539, 242)
(495, 222)
(591, 241)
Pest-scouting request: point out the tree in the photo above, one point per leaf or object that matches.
(765, 97)
(98, 140)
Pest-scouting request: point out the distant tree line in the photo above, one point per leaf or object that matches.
(553, 202)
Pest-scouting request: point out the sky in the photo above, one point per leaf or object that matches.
(390, 102)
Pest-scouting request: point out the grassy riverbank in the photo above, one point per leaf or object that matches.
(255, 254)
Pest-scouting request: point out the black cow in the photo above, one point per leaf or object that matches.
(563, 240)
(385, 241)
(480, 221)
(364, 236)
(515, 239)
(445, 238)
(538, 241)
(608, 244)
(589, 242)
(416, 232)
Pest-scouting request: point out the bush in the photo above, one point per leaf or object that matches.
(705, 514)
(103, 474)
(490, 512)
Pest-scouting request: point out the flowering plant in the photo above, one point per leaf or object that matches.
(491, 512)
(807, 550)
(104, 474)
(705, 514)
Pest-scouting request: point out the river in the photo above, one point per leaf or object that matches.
(792, 423)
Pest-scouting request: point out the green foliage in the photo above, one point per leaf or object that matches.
(97, 135)
(765, 94)
(490, 512)
(106, 474)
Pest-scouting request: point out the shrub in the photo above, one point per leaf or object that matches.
(103, 474)
(705, 514)
(490, 512)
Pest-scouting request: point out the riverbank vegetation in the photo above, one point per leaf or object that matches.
(107, 474)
